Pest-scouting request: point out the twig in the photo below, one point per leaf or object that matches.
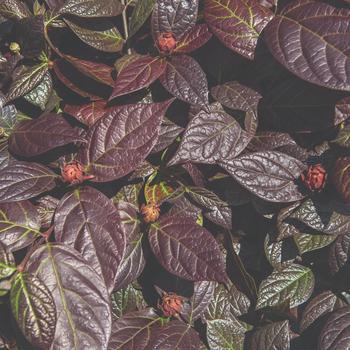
(125, 24)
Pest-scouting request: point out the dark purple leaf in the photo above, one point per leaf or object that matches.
(320, 305)
(175, 335)
(184, 78)
(196, 175)
(46, 207)
(194, 39)
(174, 16)
(305, 27)
(273, 336)
(291, 283)
(34, 309)
(342, 110)
(133, 330)
(80, 295)
(137, 75)
(139, 15)
(216, 210)
(14, 9)
(88, 221)
(182, 206)
(37, 136)
(339, 252)
(96, 71)
(211, 138)
(54, 4)
(24, 180)
(129, 193)
(26, 81)
(238, 97)
(335, 334)
(340, 177)
(92, 8)
(19, 224)
(133, 261)
(237, 24)
(108, 40)
(122, 139)
(186, 249)
(270, 140)
(7, 262)
(202, 295)
(169, 131)
(270, 175)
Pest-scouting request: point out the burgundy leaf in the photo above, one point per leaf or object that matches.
(320, 305)
(122, 139)
(37, 136)
(270, 175)
(174, 16)
(169, 131)
(89, 113)
(340, 177)
(236, 96)
(19, 224)
(87, 220)
(236, 23)
(24, 180)
(195, 174)
(186, 249)
(305, 27)
(194, 39)
(211, 138)
(137, 75)
(175, 335)
(184, 78)
(270, 140)
(133, 261)
(46, 207)
(84, 317)
(92, 8)
(335, 333)
(133, 331)
(340, 252)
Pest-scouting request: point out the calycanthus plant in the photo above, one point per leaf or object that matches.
(174, 174)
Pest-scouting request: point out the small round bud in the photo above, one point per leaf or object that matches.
(15, 48)
(73, 173)
(150, 212)
(166, 43)
(171, 304)
(315, 178)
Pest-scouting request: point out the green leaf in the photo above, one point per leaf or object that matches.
(92, 8)
(26, 81)
(343, 137)
(34, 309)
(307, 243)
(7, 262)
(108, 40)
(293, 283)
(141, 12)
(40, 95)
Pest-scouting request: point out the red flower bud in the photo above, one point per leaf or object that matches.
(315, 177)
(73, 173)
(166, 43)
(150, 212)
(171, 304)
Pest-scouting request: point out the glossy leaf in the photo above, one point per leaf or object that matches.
(237, 24)
(174, 16)
(24, 180)
(87, 220)
(92, 8)
(168, 133)
(339, 252)
(34, 309)
(135, 130)
(236, 96)
(27, 81)
(335, 333)
(137, 75)
(184, 78)
(133, 261)
(133, 330)
(305, 27)
(318, 306)
(270, 175)
(139, 15)
(340, 176)
(19, 224)
(307, 243)
(186, 249)
(157, 191)
(7, 262)
(211, 138)
(293, 284)
(38, 136)
(79, 293)
(108, 40)
(14, 9)
(194, 39)
(273, 336)
(46, 207)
